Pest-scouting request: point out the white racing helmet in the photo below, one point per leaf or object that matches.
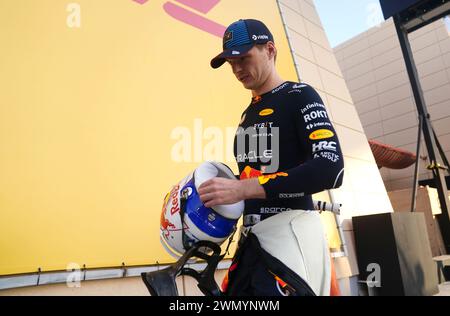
(184, 218)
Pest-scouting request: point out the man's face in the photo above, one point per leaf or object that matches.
(253, 68)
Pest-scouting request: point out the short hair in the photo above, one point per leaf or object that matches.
(261, 47)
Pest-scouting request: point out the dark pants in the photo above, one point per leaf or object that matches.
(254, 272)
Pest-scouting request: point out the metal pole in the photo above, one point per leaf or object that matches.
(441, 151)
(416, 168)
(444, 218)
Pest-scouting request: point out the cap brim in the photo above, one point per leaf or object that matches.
(234, 52)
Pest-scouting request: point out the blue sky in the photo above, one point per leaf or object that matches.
(344, 19)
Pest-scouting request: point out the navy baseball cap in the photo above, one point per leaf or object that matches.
(240, 37)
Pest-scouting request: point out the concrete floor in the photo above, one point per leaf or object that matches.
(444, 289)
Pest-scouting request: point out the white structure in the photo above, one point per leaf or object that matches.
(375, 73)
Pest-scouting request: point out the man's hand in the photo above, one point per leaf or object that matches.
(221, 191)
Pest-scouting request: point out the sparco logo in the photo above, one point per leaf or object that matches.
(273, 210)
(260, 37)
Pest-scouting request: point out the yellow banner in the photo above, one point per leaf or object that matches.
(104, 106)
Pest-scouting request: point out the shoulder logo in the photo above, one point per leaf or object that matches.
(266, 112)
(280, 87)
(256, 99)
(299, 86)
(235, 52)
(321, 134)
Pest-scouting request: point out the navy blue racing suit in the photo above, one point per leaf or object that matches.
(286, 139)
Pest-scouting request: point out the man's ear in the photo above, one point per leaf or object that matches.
(271, 49)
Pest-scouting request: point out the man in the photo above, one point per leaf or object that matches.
(286, 147)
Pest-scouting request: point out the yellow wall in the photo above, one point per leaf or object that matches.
(86, 117)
